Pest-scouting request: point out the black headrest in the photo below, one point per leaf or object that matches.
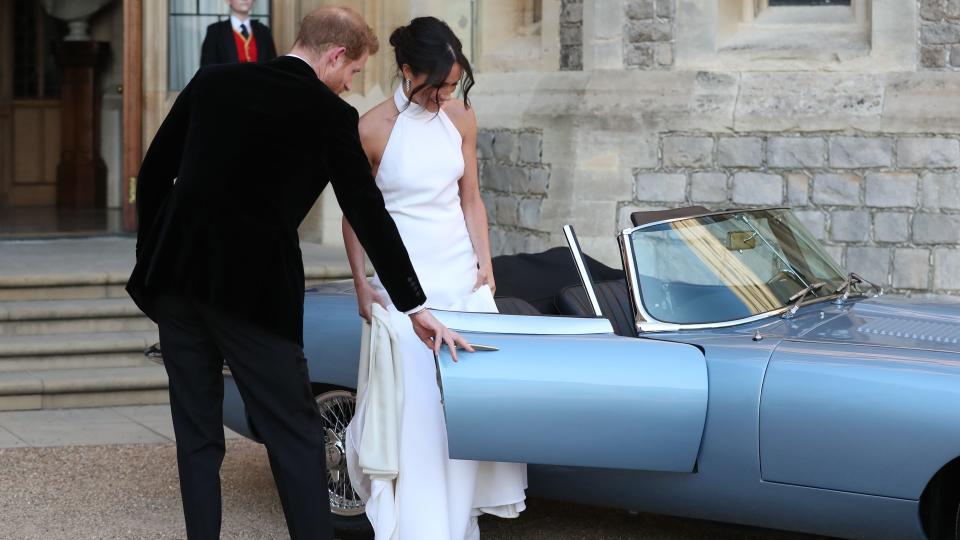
(652, 216)
(515, 306)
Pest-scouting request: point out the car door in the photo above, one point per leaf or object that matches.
(567, 391)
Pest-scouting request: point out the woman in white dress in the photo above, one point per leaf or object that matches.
(421, 143)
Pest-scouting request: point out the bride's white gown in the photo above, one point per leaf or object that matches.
(434, 497)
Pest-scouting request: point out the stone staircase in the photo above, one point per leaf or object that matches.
(74, 341)
(69, 334)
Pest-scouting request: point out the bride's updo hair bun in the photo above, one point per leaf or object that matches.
(431, 48)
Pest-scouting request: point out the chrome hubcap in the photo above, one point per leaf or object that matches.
(336, 410)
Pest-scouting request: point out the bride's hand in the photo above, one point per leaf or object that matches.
(485, 277)
(366, 296)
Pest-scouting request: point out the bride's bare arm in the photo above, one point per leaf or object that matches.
(372, 139)
(474, 211)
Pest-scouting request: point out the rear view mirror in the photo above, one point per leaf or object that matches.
(740, 240)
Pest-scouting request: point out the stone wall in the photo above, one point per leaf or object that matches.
(648, 34)
(884, 205)
(514, 183)
(571, 35)
(940, 34)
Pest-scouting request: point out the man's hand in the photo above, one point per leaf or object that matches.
(434, 334)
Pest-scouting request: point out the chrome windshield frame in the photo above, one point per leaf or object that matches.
(645, 322)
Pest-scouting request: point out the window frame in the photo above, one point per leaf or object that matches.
(887, 37)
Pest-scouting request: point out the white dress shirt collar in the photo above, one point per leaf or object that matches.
(236, 22)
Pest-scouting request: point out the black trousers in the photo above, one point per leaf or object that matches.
(271, 374)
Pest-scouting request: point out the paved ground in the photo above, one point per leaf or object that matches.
(111, 474)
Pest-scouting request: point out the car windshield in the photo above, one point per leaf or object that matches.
(730, 266)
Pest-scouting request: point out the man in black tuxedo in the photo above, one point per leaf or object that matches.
(237, 39)
(219, 265)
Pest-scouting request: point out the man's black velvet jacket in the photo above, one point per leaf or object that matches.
(251, 147)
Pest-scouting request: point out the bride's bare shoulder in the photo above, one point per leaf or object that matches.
(464, 118)
(376, 124)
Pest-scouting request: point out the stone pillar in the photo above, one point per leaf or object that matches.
(81, 173)
(603, 22)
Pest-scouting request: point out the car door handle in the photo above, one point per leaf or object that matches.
(481, 348)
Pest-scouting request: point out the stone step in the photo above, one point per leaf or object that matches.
(78, 351)
(70, 388)
(101, 285)
(71, 316)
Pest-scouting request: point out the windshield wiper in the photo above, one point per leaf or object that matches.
(799, 296)
(854, 278)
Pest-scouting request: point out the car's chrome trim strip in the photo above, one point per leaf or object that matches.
(497, 323)
(708, 214)
(582, 270)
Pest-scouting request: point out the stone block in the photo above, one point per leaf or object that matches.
(940, 33)
(571, 58)
(708, 187)
(928, 152)
(860, 152)
(648, 31)
(666, 8)
(836, 189)
(891, 226)
(952, 9)
(933, 57)
(661, 187)
(530, 146)
(911, 268)
(529, 213)
(936, 229)
(835, 252)
(664, 54)
(571, 35)
(955, 56)
(571, 12)
(814, 221)
(946, 269)
(505, 146)
(504, 178)
(683, 151)
(940, 190)
(798, 189)
(932, 10)
(740, 152)
(639, 55)
(872, 263)
(539, 181)
(641, 9)
(889, 190)
(484, 144)
(506, 210)
(761, 189)
(498, 238)
(490, 204)
(796, 152)
(850, 226)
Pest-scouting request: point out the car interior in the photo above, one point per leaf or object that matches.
(548, 283)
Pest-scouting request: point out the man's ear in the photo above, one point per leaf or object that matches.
(337, 55)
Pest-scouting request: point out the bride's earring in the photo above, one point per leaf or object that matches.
(407, 85)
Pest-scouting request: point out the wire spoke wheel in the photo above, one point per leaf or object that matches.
(336, 409)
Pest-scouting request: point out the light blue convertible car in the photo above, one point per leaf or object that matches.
(731, 372)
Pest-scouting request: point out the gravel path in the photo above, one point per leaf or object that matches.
(130, 492)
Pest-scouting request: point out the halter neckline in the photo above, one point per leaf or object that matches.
(408, 107)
